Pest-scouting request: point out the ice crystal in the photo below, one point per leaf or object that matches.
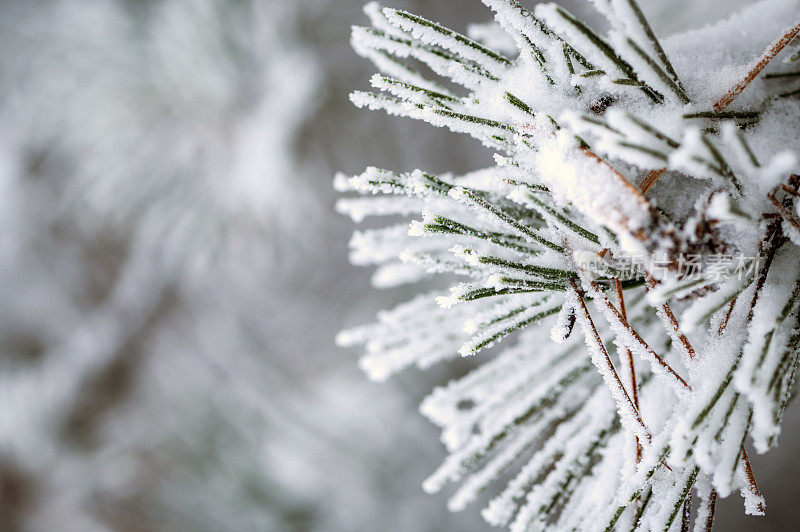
(645, 190)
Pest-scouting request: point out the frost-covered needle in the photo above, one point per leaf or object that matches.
(759, 65)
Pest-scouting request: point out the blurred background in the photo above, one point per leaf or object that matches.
(173, 273)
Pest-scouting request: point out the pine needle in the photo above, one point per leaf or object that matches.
(769, 54)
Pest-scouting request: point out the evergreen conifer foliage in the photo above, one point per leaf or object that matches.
(634, 253)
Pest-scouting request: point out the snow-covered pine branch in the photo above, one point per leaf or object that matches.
(645, 190)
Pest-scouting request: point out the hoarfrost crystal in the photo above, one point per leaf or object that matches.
(664, 153)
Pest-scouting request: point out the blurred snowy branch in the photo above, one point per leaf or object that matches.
(157, 226)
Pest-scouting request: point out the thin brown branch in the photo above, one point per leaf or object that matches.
(724, 323)
(785, 214)
(790, 190)
(601, 297)
(651, 179)
(768, 55)
(752, 485)
(616, 382)
(620, 298)
(617, 218)
(664, 307)
(634, 193)
(629, 361)
(627, 185)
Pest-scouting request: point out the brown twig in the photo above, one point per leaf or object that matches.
(768, 55)
(672, 320)
(651, 179)
(724, 323)
(629, 362)
(617, 382)
(629, 354)
(625, 183)
(790, 190)
(785, 215)
(751, 478)
(752, 485)
(600, 296)
(618, 219)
